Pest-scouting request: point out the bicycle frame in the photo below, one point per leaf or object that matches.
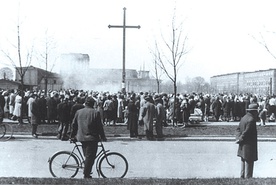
(99, 155)
(68, 163)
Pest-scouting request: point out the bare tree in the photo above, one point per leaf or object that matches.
(198, 83)
(157, 71)
(264, 43)
(172, 60)
(45, 55)
(21, 69)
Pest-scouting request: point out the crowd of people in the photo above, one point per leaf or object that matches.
(144, 108)
(81, 115)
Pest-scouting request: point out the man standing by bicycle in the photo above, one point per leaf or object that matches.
(87, 128)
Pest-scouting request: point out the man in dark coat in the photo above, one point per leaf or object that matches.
(52, 107)
(109, 107)
(88, 129)
(132, 121)
(63, 111)
(2, 100)
(35, 116)
(42, 104)
(247, 140)
(160, 118)
(77, 106)
(217, 108)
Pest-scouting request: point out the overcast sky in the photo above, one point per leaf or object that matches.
(220, 33)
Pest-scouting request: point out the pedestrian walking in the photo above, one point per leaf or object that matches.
(247, 139)
(88, 129)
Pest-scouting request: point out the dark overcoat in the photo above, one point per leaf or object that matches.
(51, 108)
(217, 108)
(36, 115)
(87, 125)
(132, 121)
(63, 112)
(247, 138)
(147, 114)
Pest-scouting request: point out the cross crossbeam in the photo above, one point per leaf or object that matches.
(117, 26)
(124, 42)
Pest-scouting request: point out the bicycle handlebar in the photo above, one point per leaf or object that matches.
(73, 140)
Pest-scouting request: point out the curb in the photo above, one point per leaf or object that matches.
(143, 138)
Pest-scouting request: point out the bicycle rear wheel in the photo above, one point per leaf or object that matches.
(113, 165)
(2, 131)
(64, 164)
(6, 131)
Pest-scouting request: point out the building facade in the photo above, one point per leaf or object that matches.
(261, 82)
(36, 78)
(111, 80)
(9, 84)
(76, 73)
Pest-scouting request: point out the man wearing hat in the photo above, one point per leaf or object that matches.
(88, 129)
(160, 116)
(147, 113)
(247, 140)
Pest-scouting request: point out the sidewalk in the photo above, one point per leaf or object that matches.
(125, 137)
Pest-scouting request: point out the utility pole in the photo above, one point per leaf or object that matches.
(124, 47)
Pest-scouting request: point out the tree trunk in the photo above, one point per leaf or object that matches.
(174, 102)
(46, 85)
(22, 101)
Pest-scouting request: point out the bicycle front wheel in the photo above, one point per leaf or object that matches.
(64, 164)
(113, 165)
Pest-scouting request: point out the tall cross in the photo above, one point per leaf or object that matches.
(124, 47)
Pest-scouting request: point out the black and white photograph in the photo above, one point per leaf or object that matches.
(137, 92)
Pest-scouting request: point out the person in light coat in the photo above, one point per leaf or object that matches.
(247, 139)
(147, 113)
(30, 106)
(17, 106)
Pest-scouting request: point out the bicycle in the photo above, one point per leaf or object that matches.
(6, 131)
(108, 164)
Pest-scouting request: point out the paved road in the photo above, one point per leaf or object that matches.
(28, 157)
